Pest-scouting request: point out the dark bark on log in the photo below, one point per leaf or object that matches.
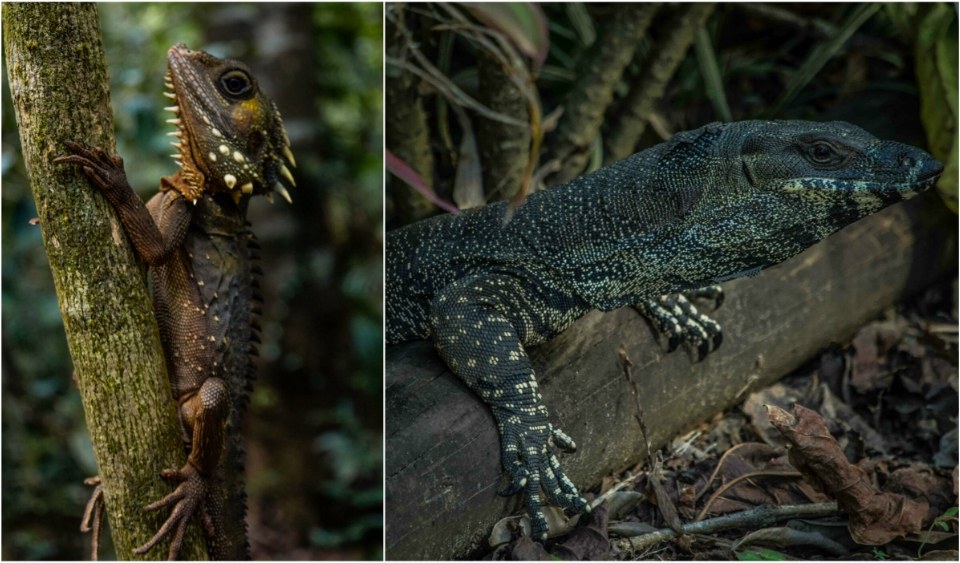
(59, 86)
(443, 466)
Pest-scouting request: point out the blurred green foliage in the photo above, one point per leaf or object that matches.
(315, 423)
(932, 30)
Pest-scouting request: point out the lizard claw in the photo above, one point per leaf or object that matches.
(104, 170)
(185, 500)
(93, 516)
(678, 320)
(529, 458)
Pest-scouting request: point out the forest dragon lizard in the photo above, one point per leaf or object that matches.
(202, 256)
(712, 204)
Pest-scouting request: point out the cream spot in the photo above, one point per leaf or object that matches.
(224, 149)
(230, 180)
(238, 156)
(247, 188)
(213, 156)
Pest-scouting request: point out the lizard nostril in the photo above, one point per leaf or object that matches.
(907, 162)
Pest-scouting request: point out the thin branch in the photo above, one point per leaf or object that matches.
(452, 92)
(727, 486)
(753, 518)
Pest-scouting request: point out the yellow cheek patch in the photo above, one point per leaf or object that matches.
(247, 113)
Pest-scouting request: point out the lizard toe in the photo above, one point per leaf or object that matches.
(93, 516)
(518, 476)
(562, 440)
(556, 493)
(676, 319)
(185, 500)
(572, 499)
(534, 506)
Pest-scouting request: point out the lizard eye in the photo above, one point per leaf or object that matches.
(236, 83)
(824, 154)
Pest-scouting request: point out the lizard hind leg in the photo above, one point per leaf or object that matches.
(476, 335)
(186, 499)
(205, 413)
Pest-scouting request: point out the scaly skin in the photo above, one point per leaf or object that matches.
(202, 256)
(712, 204)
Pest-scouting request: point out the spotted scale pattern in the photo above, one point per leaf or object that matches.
(479, 325)
(712, 204)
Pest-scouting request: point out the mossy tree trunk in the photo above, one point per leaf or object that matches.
(58, 81)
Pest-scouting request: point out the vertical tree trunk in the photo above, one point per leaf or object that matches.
(651, 83)
(58, 81)
(504, 149)
(406, 129)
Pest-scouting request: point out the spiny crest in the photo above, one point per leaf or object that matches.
(229, 135)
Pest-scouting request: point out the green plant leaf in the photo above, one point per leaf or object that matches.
(761, 555)
(524, 24)
(936, 64)
(710, 69)
(822, 54)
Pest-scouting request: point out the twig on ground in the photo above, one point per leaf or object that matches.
(727, 486)
(618, 487)
(755, 517)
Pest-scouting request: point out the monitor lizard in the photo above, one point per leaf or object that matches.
(712, 204)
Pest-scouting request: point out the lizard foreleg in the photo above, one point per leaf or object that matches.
(476, 336)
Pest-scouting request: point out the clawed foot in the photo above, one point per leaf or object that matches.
(185, 500)
(104, 170)
(678, 320)
(93, 516)
(530, 460)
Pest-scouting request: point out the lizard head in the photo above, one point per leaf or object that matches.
(230, 137)
(834, 163)
(754, 193)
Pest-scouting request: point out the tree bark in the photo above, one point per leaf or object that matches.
(442, 458)
(58, 80)
(406, 129)
(504, 148)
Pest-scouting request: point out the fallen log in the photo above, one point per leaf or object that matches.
(442, 450)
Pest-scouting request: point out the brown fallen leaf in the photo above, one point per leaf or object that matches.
(871, 345)
(588, 541)
(876, 518)
(525, 549)
(753, 474)
(918, 480)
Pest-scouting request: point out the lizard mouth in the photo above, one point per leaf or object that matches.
(192, 187)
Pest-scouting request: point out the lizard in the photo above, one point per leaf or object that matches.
(715, 203)
(203, 261)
